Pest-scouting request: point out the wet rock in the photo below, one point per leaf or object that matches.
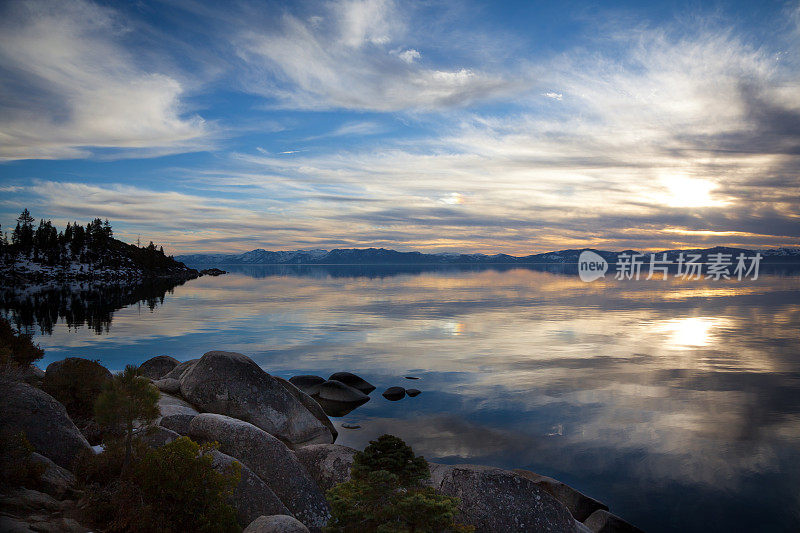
(232, 384)
(252, 497)
(496, 500)
(43, 420)
(352, 380)
(310, 404)
(270, 460)
(338, 399)
(307, 383)
(276, 524)
(176, 413)
(602, 521)
(413, 392)
(168, 385)
(579, 505)
(157, 367)
(328, 464)
(351, 426)
(394, 393)
(55, 480)
(411, 377)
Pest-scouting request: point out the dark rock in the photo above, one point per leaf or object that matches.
(495, 500)
(168, 385)
(55, 367)
(55, 480)
(158, 436)
(580, 505)
(212, 272)
(307, 383)
(354, 381)
(157, 367)
(310, 404)
(233, 384)
(32, 375)
(413, 392)
(394, 393)
(180, 369)
(338, 399)
(271, 460)
(176, 413)
(276, 524)
(602, 521)
(328, 464)
(43, 420)
(411, 377)
(252, 497)
(351, 426)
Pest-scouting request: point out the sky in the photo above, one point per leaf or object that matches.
(515, 127)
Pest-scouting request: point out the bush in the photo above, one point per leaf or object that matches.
(76, 384)
(17, 348)
(16, 467)
(386, 494)
(169, 489)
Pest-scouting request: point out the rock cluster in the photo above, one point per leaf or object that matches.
(279, 433)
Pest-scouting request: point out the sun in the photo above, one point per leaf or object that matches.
(684, 191)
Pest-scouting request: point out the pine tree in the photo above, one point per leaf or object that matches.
(23, 233)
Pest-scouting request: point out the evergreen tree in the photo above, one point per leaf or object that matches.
(23, 233)
(127, 398)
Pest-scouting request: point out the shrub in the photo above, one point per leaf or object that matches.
(16, 467)
(169, 489)
(17, 348)
(76, 384)
(386, 494)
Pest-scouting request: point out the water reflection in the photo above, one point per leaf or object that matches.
(677, 403)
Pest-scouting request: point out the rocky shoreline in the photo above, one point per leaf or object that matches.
(285, 444)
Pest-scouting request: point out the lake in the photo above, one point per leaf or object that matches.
(676, 403)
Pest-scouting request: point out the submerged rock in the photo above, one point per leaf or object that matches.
(307, 383)
(232, 384)
(157, 367)
(602, 521)
(328, 464)
(394, 393)
(252, 497)
(276, 524)
(495, 500)
(413, 392)
(270, 459)
(338, 399)
(43, 420)
(580, 505)
(352, 380)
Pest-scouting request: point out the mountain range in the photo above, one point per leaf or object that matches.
(374, 256)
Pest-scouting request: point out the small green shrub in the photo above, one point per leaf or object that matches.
(386, 494)
(16, 467)
(169, 489)
(77, 384)
(17, 348)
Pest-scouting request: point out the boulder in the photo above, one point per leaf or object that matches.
(280, 523)
(602, 521)
(495, 500)
(252, 497)
(168, 385)
(270, 459)
(310, 404)
(232, 384)
(54, 480)
(579, 505)
(354, 381)
(413, 392)
(307, 383)
(336, 391)
(176, 413)
(55, 367)
(328, 464)
(180, 369)
(43, 420)
(157, 436)
(32, 375)
(394, 393)
(157, 367)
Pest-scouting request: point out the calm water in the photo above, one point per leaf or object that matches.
(677, 404)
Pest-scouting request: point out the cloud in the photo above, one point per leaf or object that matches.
(69, 86)
(345, 59)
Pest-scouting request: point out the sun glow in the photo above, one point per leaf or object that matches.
(683, 191)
